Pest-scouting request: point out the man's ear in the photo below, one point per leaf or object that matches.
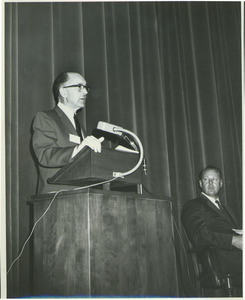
(63, 92)
(200, 184)
(221, 183)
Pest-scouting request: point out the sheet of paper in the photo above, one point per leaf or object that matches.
(238, 231)
(122, 148)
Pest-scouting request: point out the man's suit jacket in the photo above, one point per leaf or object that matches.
(53, 146)
(207, 226)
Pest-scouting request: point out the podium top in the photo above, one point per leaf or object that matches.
(89, 167)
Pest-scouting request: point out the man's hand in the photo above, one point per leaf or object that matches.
(92, 142)
(237, 241)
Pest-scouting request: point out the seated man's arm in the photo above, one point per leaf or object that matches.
(237, 241)
(199, 232)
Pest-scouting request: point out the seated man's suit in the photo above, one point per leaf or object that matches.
(208, 226)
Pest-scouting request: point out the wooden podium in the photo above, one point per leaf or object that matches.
(90, 167)
(103, 243)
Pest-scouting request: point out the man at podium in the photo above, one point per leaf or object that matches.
(57, 134)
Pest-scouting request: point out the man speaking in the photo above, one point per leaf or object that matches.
(57, 134)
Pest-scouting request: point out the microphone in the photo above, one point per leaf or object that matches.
(109, 128)
(120, 131)
(116, 130)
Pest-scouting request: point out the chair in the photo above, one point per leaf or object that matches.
(212, 283)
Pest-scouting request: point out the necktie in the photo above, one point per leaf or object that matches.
(78, 127)
(224, 211)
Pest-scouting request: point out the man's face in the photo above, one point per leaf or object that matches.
(74, 96)
(210, 183)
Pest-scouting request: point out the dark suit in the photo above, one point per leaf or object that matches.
(206, 225)
(53, 146)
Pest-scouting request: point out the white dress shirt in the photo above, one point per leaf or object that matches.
(70, 115)
(212, 199)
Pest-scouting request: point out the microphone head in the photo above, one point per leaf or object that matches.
(109, 128)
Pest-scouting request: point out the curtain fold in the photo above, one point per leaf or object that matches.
(168, 71)
(12, 138)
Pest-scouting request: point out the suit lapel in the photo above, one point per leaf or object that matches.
(230, 215)
(212, 206)
(65, 120)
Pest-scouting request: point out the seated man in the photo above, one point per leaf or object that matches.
(57, 135)
(210, 225)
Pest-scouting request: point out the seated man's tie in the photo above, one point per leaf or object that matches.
(224, 211)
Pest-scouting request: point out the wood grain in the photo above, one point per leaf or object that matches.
(104, 243)
(61, 248)
(132, 251)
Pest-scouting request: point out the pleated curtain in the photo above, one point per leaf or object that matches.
(168, 71)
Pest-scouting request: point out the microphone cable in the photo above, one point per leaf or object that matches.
(45, 212)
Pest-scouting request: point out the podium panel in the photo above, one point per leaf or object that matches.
(104, 243)
(89, 167)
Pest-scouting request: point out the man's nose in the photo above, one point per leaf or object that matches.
(83, 90)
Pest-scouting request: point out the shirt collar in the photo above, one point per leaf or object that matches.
(69, 113)
(212, 199)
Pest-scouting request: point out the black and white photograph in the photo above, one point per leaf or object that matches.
(122, 156)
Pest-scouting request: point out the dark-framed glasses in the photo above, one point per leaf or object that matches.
(80, 86)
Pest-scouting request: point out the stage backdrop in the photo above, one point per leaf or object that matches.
(168, 71)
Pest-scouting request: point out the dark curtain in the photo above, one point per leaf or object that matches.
(168, 71)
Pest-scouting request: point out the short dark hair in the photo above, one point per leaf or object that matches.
(61, 78)
(210, 168)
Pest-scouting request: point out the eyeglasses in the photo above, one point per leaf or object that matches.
(80, 86)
